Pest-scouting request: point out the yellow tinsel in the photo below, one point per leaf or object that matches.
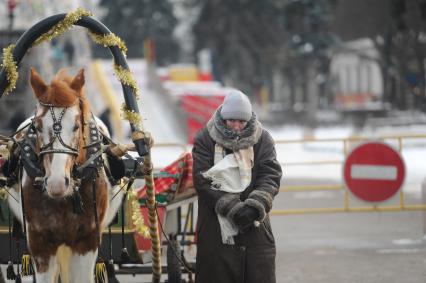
(123, 75)
(126, 78)
(27, 265)
(11, 68)
(3, 193)
(108, 40)
(137, 218)
(58, 29)
(101, 275)
(130, 116)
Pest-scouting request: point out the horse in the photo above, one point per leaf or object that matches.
(65, 195)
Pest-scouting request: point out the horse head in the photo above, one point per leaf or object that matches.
(60, 128)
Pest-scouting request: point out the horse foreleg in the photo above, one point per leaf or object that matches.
(82, 267)
(64, 257)
(47, 273)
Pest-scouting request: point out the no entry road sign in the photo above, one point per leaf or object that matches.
(374, 171)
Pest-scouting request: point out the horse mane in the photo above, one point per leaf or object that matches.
(61, 94)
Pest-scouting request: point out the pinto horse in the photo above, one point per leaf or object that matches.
(60, 152)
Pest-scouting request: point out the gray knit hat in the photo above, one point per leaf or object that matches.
(236, 106)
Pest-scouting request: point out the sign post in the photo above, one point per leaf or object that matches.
(374, 171)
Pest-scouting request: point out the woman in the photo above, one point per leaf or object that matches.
(236, 175)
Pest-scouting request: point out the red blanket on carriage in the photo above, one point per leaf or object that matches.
(178, 173)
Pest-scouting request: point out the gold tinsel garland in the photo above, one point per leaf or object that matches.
(58, 29)
(11, 68)
(126, 78)
(108, 40)
(3, 193)
(137, 218)
(130, 116)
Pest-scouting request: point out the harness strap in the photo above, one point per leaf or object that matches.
(124, 257)
(27, 266)
(88, 162)
(63, 151)
(95, 209)
(94, 150)
(68, 150)
(10, 274)
(100, 268)
(27, 151)
(109, 175)
(57, 129)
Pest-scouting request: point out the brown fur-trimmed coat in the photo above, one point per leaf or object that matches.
(252, 258)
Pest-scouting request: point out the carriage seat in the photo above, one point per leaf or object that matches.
(173, 181)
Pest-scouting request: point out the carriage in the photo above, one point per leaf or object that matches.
(66, 179)
(175, 198)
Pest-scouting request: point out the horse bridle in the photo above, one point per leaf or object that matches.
(31, 159)
(80, 174)
(94, 151)
(57, 130)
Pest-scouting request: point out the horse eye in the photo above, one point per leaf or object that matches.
(39, 129)
(76, 127)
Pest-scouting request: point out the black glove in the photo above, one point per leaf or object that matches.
(245, 217)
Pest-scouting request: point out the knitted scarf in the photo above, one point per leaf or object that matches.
(230, 139)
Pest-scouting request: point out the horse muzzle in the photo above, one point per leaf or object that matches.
(57, 188)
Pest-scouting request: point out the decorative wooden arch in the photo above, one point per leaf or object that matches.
(55, 25)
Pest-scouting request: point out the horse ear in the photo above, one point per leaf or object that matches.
(37, 83)
(78, 82)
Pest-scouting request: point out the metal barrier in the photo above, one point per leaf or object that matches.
(346, 143)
